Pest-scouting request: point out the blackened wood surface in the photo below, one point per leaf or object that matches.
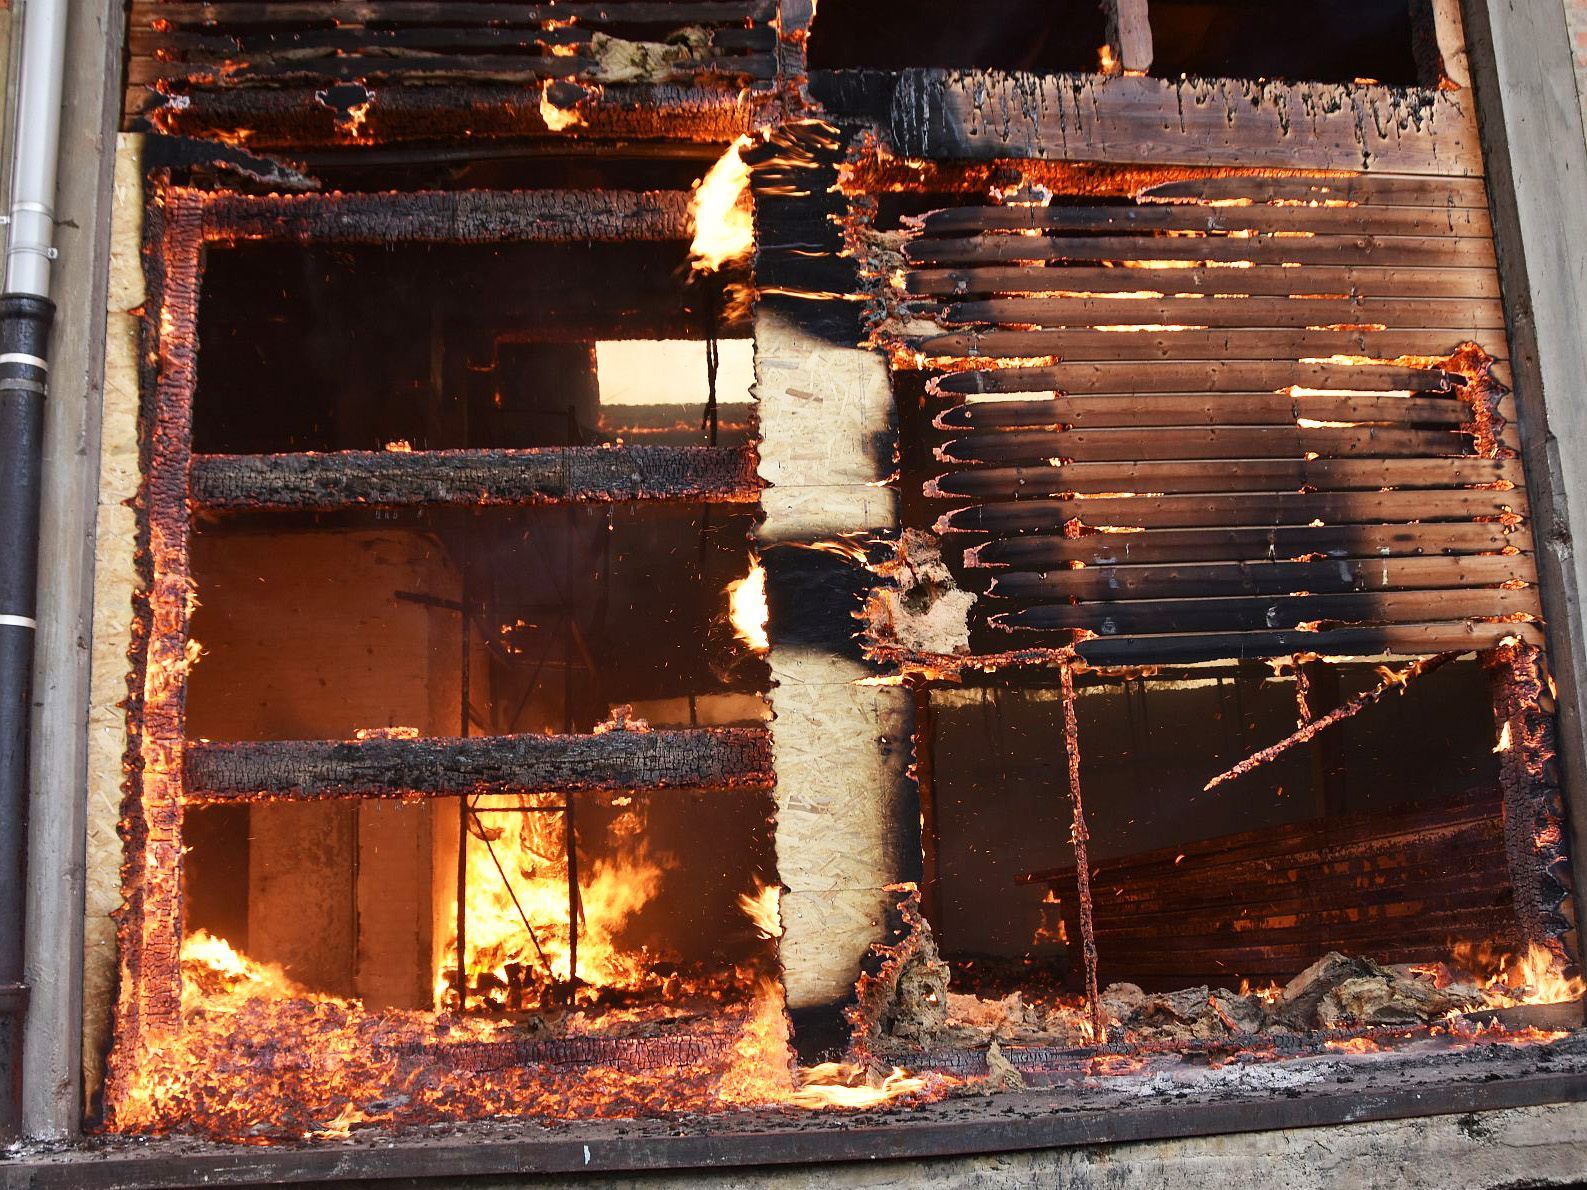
(715, 758)
(475, 477)
(1398, 886)
(1232, 404)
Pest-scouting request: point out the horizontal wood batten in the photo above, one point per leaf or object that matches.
(976, 115)
(1438, 220)
(1175, 372)
(1360, 281)
(1194, 409)
(1461, 314)
(1400, 639)
(471, 478)
(712, 758)
(1374, 189)
(1282, 348)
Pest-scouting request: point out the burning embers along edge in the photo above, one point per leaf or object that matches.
(521, 1029)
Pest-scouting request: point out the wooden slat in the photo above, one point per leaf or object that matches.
(1243, 475)
(504, 68)
(1248, 544)
(1197, 442)
(1364, 281)
(472, 478)
(701, 758)
(1466, 315)
(354, 39)
(1390, 639)
(1376, 189)
(1268, 344)
(1189, 579)
(1279, 508)
(1358, 250)
(1358, 220)
(185, 14)
(1190, 409)
(1179, 372)
(1308, 126)
(1249, 614)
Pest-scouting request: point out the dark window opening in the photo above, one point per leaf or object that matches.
(998, 35)
(1331, 41)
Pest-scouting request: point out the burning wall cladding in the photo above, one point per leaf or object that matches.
(988, 326)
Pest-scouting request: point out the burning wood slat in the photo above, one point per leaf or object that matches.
(1318, 249)
(475, 478)
(1459, 314)
(1400, 639)
(717, 758)
(1191, 409)
(1273, 280)
(1121, 444)
(1278, 347)
(1433, 219)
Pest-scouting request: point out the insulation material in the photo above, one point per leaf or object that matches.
(115, 584)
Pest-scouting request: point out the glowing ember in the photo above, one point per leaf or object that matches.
(846, 1084)
(558, 119)
(746, 603)
(724, 227)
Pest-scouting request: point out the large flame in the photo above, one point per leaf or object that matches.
(1535, 977)
(724, 227)
(746, 606)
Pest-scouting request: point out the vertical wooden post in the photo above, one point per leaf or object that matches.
(1130, 33)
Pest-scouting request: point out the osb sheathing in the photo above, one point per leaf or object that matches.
(115, 581)
(841, 750)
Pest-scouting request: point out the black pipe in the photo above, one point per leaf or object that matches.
(24, 336)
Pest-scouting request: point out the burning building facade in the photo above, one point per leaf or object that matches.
(697, 583)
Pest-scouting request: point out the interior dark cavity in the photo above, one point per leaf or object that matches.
(1342, 843)
(1329, 41)
(449, 346)
(999, 35)
(315, 627)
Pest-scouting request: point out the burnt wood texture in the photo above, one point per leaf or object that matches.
(1229, 416)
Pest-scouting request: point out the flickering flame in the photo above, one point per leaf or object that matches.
(558, 119)
(399, 446)
(847, 1084)
(1504, 738)
(1535, 977)
(764, 910)
(724, 227)
(746, 604)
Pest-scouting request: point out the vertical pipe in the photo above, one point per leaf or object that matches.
(26, 313)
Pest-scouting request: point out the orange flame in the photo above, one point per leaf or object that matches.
(724, 227)
(746, 606)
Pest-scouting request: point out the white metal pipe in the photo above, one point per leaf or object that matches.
(35, 148)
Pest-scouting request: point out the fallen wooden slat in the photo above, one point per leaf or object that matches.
(1391, 639)
(1467, 315)
(1247, 544)
(973, 115)
(1180, 372)
(1361, 249)
(1363, 281)
(1199, 442)
(1190, 579)
(1250, 614)
(1236, 475)
(714, 758)
(1365, 220)
(1189, 409)
(1279, 508)
(1375, 189)
(468, 478)
(1268, 344)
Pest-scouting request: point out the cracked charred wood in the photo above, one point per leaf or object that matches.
(715, 758)
(1180, 367)
(1349, 641)
(1461, 314)
(1370, 249)
(1194, 409)
(1122, 444)
(473, 478)
(1271, 280)
(1434, 219)
(1277, 347)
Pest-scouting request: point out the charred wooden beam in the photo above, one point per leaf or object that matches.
(1193, 409)
(1436, 219)
(1276, 280)
(1379, 249)
(1277, 347)
(472, 478)
(716, 758)
(1390, 639)
(450, 216)
(1374, 189)
(965, 114)
(1461, 314)
(1117, 444)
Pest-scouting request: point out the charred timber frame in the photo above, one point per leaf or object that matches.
(181, 223)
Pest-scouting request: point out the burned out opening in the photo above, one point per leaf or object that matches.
(1000, 35)
(1319, 41)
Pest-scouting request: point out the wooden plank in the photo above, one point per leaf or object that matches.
(1362, 249)
(1130, 29)
(1199, 442)
(1189, 579)
(1192, 409)
(715, 758)
(267, 13)
(1178, 371)
(1359, 281)
(505, 68)
(450, 216)
(1147, 344)
(1243, 475)
(1248, 544)
(1430, 220)
(198, 48)
(972, 115)
(1279, 508)
(1392, 639)
(1236, 614)
(1466, 315)
(474, 478)
(1375, 189)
